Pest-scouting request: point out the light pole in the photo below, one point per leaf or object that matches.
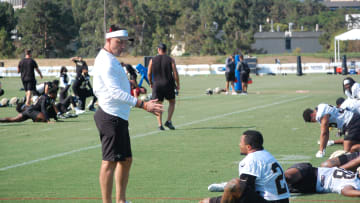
(105, 20)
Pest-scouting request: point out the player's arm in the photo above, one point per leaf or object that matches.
(352, 165)
(324, 131)
(350, 191)
(18, 68)
(149, 73)
(38, 70)
(176, 74)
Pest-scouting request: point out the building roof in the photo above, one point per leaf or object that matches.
(341, 4)
(277, 35)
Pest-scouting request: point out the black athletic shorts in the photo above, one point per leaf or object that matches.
(244, 77)
(230, 76)
(114, 136)
(307, 184)
(163, 92)
(29, 85)
(30, 113)
(352, 130)
(348, 157)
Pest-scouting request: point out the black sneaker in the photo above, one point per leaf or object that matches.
(169, 125)
(92, 108)
(161, 128)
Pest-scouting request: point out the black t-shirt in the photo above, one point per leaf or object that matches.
(162, 71)
(44, 104)
(243, 67)
(230, 67)
(27, 66)
(79, 66)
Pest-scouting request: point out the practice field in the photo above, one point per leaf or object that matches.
(60, 162)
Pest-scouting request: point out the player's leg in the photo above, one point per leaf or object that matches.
(355, 148)
(340, 160)
(122, 172)
(28, 98)
(301, 178)
(233, 87)
(158, 93)
(40, 117)
(106, 178)
(227, 86)
(171, 110)
(18, 118)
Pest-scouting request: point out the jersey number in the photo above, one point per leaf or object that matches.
(342, 174)
(276, 168)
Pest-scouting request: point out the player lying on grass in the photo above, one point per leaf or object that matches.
(304, 178)
(348, 161)
(327, 116)
(261, 178)
(38, 112)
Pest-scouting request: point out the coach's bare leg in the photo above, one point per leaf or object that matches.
(106, 178)
(159, 117)
(28, 98)
(171, 109)
(122, 173)
(227, 86)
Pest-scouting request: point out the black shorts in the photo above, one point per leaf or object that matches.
(30, 113)
(244, 77)
(163, 92)
(230, 76)
(352, 130)
(114, 136)
(307, 184)
(348, 157)
(29, 85)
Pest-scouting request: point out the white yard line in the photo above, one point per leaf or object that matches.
(152, 132)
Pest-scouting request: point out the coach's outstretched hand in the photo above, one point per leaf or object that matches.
(154, 107)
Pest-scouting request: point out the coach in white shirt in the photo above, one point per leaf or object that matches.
(112, 88)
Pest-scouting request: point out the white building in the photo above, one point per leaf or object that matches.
(16, 3)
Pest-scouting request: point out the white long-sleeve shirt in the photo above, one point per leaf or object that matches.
(111, 86)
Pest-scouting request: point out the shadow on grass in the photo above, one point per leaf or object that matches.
(218, 128)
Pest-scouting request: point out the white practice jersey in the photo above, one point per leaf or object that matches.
(270, 181)
(352, 105)
(333, 180)
(338, 116)
(355, 91)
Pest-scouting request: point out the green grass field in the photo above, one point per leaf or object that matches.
(60, 162)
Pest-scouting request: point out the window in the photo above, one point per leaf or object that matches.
(288, 43)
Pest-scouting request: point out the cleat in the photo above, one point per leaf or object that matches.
(169, 125)
(217, 187)
(320, 154)
(79, 111)
(234, 93)
(92, 108)
(161, 128)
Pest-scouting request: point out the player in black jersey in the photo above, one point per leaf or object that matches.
(38, 112)
(163, 75)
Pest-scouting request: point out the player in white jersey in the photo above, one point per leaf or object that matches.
(351, 88)
(348, 104)
(261, 178)
(305, 178)
(327, 116)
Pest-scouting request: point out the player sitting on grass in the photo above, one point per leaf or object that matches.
(304, 178)
(38, 112)
(261, 178)
(327, 116)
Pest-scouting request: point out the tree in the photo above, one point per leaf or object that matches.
(7, 24)
(47, 27)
